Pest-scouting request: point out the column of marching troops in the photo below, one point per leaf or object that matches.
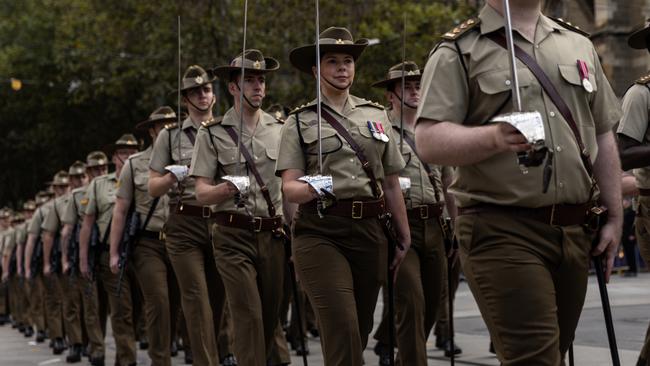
(165, 231)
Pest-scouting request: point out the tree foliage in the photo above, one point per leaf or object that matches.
(91, 69)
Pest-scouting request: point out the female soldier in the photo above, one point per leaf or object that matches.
(341, 257)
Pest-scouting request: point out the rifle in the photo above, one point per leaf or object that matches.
(129, 239)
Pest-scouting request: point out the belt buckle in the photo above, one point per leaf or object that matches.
(161, 236)
(206, 212)
(354, 205)
(257, 227)
(424, 212)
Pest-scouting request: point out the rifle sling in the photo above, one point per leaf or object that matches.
(251, 164)
(556, 98)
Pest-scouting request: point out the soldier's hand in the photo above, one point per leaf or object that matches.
(5, 276)
(65, 266)
(610, 237)
(399, 256)
(47, 269)
(28, 273)
(83, 268)
(179, 171)
(508, 138)
(115, 263)
(226, 189)
(20, 271)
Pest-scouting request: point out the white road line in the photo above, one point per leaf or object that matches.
(54, 360)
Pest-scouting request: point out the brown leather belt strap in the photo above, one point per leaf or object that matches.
(556, 215)
(240, 221)
(426, 166)
(354, 209)
(195, 211)
(644, 192)
(553, 94)
(425, 212)
(251, 165)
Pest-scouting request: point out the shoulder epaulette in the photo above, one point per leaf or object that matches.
(570, 26)
(278, 117)
(171, 126)
(643, 80)
(461, 29)
(212, 122)
(376, 105)
(299, 109)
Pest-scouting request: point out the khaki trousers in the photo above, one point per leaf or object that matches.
(642, 224)
(72, 308)
(418, 291)
(252, 269)
(191, 253)
(279, 350)
(53, 305)
(121, 311)
(36, 301)
(529, 280)
(161, 297)
(341, 262)
(91, 313)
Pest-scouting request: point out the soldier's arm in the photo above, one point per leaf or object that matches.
(84, 241)
(120, 211)
(29, 250)
(397, 208)
(632, 153)
(628, 185)
(294, 190)
(160, 184)
(209, 194)
(66, 233)
(20, 251)
(607, 171)
(5, 266)
(450, 201)
(288, 210)
(48, 242)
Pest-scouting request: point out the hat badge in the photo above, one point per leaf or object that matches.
(339, 41)
(257, 65)
(198, 80)
(169, 115)
(410, 73)
(278, 115)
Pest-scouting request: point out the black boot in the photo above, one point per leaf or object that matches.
(300, 350)
(75, 353)
(97, 361)
(144, 343)
(58, 346)
(440, 342)
(29, 332)
(642, 362)
(173, 349)
(40, 336)
(448, 348)
(189, 359)
(383, 351)
(491, 349)
(229, 361)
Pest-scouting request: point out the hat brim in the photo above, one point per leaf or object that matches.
(638, 39)
(304, 58)
(384, 84)
(112, 148)
(144, 125)
(211, 79)
(224, 72)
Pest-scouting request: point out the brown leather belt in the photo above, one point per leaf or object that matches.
(350, 208)
(247, 222)
(644, 192)
(425, 212)
(558, 215)
(195, 211)
(155, 235)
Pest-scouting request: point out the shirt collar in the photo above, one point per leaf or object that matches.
(492, 21)
(188, 123)
(231, 118)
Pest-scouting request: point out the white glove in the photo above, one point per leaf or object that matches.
(322, 184)
(179, 171)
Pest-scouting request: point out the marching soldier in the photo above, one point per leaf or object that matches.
(148, 260)
(634, 144)
(9, 274)
(96, 166)
(527, 232)
(52, 262)
(187, 232)
(420, 278)
(346, 239)
(101, 195)
(5, 232)
(247, 236)
(32, 263)
(55, 246)
(21, 240)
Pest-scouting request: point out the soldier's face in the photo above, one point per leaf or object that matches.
(77, 180)
(337, 70)
(201, 97)
(411, 93)
(60, 190)
(254, 88)
(96, 171)
(120, 156)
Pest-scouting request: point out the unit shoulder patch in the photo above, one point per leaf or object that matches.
(461, 29)
(570, 26)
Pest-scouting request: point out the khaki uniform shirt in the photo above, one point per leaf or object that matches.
(9, 242)
(166, 151)
(634, 124)
(52, 222)
(76, 206)
(471, 96)
(101, 198)
(134, 179)
(422, 192)
(39, 217)
(299, 147)
(21, 233)
(215, 155)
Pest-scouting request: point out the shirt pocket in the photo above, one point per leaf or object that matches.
(227, 158)
(494, 88)
(571, 75)
(331, 142)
